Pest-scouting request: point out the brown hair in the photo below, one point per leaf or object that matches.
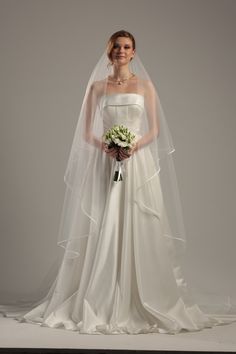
(113, 38)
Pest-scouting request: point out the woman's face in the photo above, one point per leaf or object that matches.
(122, 51)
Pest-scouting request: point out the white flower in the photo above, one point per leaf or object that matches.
(123, 144)
(120, 135)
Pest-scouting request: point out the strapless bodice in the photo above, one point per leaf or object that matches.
(122, 108)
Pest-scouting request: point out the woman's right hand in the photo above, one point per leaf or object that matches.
(110, 151)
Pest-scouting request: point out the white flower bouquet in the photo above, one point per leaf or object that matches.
(118, 137)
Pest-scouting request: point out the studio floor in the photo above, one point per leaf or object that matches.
(24, 335)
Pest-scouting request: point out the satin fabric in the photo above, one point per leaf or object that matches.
(127, 279)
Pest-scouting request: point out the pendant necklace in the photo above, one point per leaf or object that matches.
(120, 81)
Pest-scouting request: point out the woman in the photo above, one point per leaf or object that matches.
(121, 223)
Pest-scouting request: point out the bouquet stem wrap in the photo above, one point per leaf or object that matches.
(118, 176)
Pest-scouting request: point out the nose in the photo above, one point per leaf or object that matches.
(121, 50)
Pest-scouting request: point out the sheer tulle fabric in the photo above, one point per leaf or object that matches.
(124, 241)
(149, 116)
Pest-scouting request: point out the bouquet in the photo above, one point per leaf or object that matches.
(118, 137)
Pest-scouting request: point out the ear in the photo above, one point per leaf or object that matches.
(134, 52)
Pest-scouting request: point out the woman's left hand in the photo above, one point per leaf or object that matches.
(125, 154)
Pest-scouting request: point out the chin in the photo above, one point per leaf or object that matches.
(121, 61)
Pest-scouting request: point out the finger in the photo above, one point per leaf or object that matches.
(124, 153)
(112, 153)
(123, 157)
(110, 150)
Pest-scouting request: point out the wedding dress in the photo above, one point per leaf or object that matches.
(126, 281)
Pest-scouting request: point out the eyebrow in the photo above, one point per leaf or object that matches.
(116, 43)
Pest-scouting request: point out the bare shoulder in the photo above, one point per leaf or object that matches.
(149, 88)
(145, 86)
(97, 87)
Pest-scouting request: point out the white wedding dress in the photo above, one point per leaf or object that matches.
(126, 282)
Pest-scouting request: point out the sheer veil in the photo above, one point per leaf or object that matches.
(86, 184)
(85, 147)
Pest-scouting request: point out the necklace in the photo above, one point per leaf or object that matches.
(120, 81)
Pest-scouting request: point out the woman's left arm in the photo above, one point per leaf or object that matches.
(151, 103)
(151, 106)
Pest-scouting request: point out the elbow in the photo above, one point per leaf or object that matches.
(87, 136)
(155, 133)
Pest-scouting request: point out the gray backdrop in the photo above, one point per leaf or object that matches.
(48, 49)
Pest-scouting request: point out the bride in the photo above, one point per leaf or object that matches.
(121, 224)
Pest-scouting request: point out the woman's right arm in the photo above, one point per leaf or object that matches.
(90, 108)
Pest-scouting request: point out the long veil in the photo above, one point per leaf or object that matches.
(85, 182)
